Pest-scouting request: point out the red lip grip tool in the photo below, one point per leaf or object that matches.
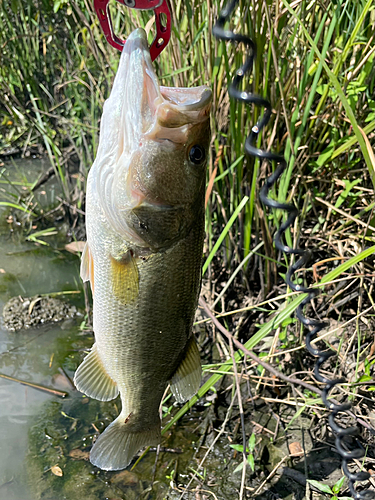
(163, 29)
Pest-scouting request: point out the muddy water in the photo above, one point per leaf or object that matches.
(32, 356)
(43, 436)
(27, 269)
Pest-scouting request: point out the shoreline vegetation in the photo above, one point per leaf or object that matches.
(315, 63)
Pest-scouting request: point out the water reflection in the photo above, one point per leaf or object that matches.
(37, 354)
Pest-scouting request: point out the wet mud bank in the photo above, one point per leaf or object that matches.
(22, 313)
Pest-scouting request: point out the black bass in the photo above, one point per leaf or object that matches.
(145, 231)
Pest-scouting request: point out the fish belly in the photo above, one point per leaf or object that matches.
(141, 343)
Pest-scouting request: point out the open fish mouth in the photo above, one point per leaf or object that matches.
(138, 105)
(146, 106)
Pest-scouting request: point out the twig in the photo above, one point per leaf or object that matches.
(270, 368)
(253, 356)
(262, 428)
(239, 398)
(25, 343)
(39, 387)
(72, 207)
(270, 476)
(344, 214)
(154, 466)
(43, 179)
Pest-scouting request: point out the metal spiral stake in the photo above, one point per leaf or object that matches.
(313, 325)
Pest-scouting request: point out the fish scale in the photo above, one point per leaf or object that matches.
(164, 303)
(145, 233)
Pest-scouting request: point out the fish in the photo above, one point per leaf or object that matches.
(145, 233)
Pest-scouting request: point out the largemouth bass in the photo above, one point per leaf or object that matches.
(145, 230)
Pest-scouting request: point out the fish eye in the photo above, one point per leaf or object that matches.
(197, 154)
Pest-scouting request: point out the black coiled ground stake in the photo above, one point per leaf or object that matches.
(313, 325)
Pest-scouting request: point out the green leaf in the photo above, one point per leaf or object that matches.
(14, 6)
(348, 187)
(57, 5)
(325, 155)
(335, 83)
(365, 378)
(51, 231)
(239, 467)
(251, 462)
(296, 415)
(13, 205)
(320, 486)
(252, 442)
(237, 447)
(337, 486)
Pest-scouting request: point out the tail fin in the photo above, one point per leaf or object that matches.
(115, 448)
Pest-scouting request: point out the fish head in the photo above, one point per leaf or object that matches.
(170, 166)
(153, 148)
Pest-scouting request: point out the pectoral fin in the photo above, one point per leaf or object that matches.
(92, 379)
(125, 278)
(87, 266)
(186, 381)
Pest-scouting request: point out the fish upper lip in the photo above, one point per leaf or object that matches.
(187, 99)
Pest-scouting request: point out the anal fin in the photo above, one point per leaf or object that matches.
(92, 379)
(186, 381)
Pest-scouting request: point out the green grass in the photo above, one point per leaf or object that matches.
(315, 63)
